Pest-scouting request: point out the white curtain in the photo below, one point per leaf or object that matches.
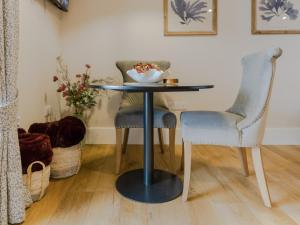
(12, 208)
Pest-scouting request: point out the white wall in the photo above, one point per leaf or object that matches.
(40, 44)
(99, 32)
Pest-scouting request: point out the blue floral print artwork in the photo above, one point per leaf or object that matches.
(189, 11)
(278, 8)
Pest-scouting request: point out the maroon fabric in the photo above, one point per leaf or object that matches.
(71, 132)
(50, 129)
(35, 147)
(65, 133)
(21, 131)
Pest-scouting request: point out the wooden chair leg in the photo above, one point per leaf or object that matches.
(161, 140)
(243, 158)
(125, 143)
(187, 169)
(260, 176)
(182, 157)
(172, 133)
(118, 149)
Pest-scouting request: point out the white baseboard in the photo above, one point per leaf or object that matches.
(282, 136)
(273, 136)
(106, 135)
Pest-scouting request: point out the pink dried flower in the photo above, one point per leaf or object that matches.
(61, 88)
(65, 93)
(82, 87)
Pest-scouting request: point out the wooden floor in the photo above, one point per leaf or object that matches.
(219, 193)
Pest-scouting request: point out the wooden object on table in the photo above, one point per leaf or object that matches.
(171, 81)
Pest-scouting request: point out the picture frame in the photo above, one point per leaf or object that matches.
(61, 4)
(190, 17)
(280, 18)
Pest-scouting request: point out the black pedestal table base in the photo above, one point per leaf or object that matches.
(149, 185)
(165, 186)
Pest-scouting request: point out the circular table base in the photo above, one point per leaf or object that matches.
(166, 186)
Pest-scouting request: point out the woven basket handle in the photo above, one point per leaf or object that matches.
(29, 177)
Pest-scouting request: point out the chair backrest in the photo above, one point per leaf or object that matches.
(254, 95)
(137, 98)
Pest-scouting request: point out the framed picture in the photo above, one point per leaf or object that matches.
(275, 16)
(61, 4)
(190, 17)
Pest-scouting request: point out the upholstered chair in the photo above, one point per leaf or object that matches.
(242, 126)
(130, 115)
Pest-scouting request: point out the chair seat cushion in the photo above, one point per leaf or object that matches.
(133, 117)
(215, 128)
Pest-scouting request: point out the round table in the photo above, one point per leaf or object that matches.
(149, 185)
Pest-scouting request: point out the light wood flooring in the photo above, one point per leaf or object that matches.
(220, 194)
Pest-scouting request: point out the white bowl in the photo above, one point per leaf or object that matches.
(151, 76)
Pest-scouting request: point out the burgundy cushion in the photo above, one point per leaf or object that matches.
(71, 131)
(35, 147)
(21, 131)
(65, 133)
(50, 129)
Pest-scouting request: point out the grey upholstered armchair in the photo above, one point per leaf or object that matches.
(130, 114)
(243, 125)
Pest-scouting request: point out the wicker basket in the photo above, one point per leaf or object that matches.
(37, 182)
(66, 162)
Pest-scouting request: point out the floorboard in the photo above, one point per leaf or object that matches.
(219, 193)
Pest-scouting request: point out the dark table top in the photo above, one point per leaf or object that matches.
(152, 87)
